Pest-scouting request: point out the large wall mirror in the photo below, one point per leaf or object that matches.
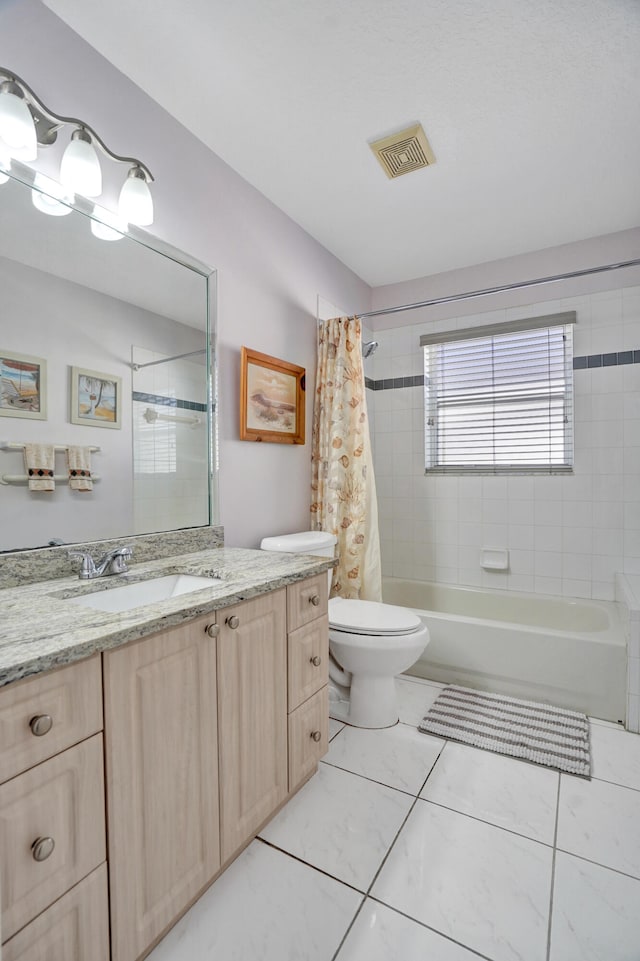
(108, 345)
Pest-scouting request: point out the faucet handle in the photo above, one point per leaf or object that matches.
(88, 566)
(118, 559)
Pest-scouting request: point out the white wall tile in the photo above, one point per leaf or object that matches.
(566, 534)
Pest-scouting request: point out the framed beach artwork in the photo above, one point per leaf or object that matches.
(96, 398)
(271, 399)
(23, 386)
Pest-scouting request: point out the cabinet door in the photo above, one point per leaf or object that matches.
(162, 780)
(252, 715)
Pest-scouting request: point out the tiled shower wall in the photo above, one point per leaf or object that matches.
(566, 535)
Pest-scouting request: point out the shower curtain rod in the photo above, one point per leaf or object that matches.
(498, 290)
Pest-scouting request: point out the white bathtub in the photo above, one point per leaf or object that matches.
(567, 652)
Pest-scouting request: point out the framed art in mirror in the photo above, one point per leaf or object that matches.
(272, 394)
(96, 398)
(23, 386)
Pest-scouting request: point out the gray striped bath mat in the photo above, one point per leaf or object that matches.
(535, 732)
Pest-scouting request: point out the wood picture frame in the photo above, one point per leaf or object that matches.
(96, 399)
(272, 399)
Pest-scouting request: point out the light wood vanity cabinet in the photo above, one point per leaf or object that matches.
(52, 819)
(162, 780)
(252, 709)
(208, 729)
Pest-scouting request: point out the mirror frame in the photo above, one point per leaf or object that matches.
(26, 175)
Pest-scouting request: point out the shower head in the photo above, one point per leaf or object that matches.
(369, 348)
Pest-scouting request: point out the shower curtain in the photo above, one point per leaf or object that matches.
(343, 490)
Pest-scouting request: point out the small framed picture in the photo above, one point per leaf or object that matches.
(23, 386)
(96, 398)
(272, 394)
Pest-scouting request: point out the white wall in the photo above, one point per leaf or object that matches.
(566, 534)
(271, 271)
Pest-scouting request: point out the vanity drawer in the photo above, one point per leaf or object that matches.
(61, 799)
(70, 696)
(75, 928)
(305, 747)
(306, 600)
(308, 659)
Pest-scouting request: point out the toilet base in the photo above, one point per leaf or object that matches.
(371, 702)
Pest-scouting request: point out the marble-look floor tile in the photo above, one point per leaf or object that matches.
(296, 913)
(340, 823)
(398, 756)
(596, 913)
(334, 727)
(414, 699)
(512, 794)
(615, 755)
(380, 934)
(477, 884)
(601, 822)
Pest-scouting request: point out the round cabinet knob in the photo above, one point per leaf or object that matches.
(316, 661)
(212, 630)
(42, 848)
(315, 736)
(41, 724)
(315, 600)
(233, 622)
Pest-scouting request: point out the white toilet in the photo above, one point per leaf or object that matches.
(369, 643)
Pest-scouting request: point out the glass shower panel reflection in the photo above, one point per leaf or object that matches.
(170, 437)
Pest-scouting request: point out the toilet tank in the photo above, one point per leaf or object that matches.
(305, 542)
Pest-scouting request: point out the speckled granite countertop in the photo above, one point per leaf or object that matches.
(40, 629)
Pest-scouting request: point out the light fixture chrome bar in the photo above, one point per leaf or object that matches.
(48, 123)
(165, 360)
(454, 298)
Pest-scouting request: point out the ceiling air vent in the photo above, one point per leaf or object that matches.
(404, 151)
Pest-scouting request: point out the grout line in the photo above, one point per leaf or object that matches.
(553, 869)
(372, 780)
(415, 801)
(476, 954)
(346, 933)
(604, 780)
(308, 864)
(491, 824)
(598, 864)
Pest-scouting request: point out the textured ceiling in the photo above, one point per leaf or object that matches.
(531, 109)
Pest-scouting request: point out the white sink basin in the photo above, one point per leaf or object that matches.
(144, 592)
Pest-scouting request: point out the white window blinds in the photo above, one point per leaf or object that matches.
(498, 399)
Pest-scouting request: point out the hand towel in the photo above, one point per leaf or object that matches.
(40, 462)
(79, 461)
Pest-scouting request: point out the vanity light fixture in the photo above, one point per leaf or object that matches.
(26, 124)
(109, 226)
(46, 195)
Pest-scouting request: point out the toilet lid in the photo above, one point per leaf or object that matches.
(370, 617)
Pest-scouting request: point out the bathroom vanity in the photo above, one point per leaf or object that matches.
(142, 750)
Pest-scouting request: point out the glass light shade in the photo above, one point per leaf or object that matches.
(46, 196)
(80, 169)
(17, 129)
(136, 202)
(109, 227)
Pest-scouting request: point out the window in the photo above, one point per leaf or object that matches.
(498, 399)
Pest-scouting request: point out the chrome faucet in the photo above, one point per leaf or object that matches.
(113, 562)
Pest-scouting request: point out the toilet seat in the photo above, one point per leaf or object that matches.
(371, 618)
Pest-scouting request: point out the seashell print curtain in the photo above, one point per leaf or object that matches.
(343, 489)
